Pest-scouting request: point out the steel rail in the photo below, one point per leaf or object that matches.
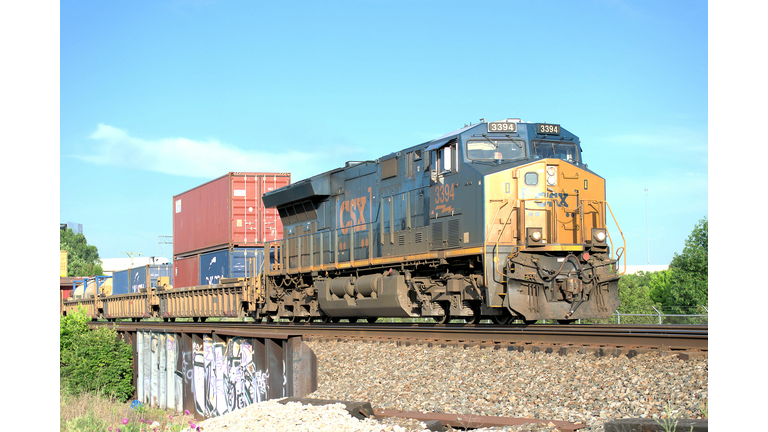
(664, 337)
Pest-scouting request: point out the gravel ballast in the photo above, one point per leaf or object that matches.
(578, 388)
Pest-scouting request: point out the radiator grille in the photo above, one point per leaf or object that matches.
(453, 233)
(437, 234)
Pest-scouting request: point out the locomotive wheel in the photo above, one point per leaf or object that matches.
(566, 321)
(371, 320)
(442, 319)
(475, 318)
(446, 317)
(502, 319)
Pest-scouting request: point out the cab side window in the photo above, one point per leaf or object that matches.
(446, 159)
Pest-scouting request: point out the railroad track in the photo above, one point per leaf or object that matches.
(601, 339)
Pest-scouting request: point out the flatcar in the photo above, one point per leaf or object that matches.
(498, 220)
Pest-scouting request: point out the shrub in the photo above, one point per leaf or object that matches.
(94, 360)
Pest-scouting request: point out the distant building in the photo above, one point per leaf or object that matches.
(111, 265)
(632, 269)
(77, 228)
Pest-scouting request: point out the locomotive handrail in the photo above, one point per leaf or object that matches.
(622, 238)
(282, 246)
(610, 240)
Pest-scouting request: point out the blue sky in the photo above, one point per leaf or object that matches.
(158, 97)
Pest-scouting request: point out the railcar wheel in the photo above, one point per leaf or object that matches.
(371, 320)
(529, 322)
(202, 319)
(566, 321)
(335, 320)
(352, 320)
(195, 319)
(325, 319)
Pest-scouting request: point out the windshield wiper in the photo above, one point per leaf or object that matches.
(520, 146)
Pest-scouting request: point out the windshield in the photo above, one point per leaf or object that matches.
(493, 149)
(558, 150)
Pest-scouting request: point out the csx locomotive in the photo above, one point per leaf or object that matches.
(499, 220)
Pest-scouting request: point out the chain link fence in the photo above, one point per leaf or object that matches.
(656, 315)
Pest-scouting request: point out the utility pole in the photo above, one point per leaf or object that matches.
(647, 238)
(131, 254)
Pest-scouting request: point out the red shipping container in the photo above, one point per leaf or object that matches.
(226, 212)
(186, 272)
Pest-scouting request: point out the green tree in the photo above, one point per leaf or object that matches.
(686, 283)
(635, 296)
(82, 258)
(93, 361)
(635, 292)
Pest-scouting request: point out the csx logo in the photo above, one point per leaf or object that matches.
(561, 196)
(352, 212)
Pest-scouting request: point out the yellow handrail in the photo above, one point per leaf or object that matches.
(624, 253)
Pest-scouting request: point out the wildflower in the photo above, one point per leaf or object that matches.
(170, 417)
(110, 429)
(125, 421)
(186, 412)
(192, 425)
(143, 421)
(154, 425)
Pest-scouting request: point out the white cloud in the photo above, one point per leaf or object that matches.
(211, 158)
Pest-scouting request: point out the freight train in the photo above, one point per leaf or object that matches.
(498, 220)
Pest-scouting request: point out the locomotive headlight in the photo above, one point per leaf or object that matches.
(598, 235)
(534, 235)
(551, 176)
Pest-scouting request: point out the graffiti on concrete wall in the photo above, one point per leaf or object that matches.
(225, 376)
(216, 376)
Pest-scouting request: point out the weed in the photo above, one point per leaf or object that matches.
(669, 422)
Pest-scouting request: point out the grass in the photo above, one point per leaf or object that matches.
(670, 418)
(92, 413)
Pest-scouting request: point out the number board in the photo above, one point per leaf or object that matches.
(548, 129)
(502, 127)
